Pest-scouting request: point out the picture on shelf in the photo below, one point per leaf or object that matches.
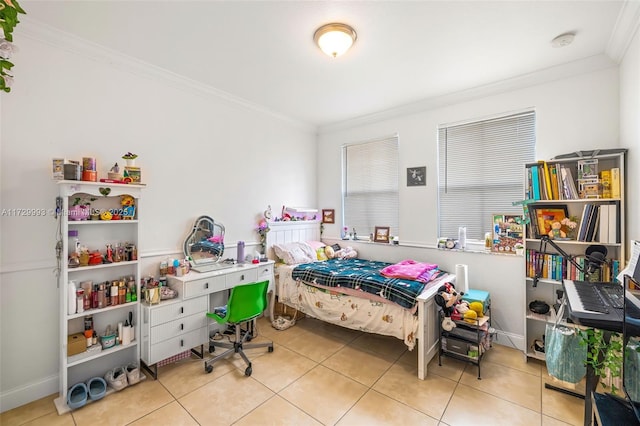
(381, 234)
(545, 215)
(507, 233)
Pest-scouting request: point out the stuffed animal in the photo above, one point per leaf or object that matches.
(330, 252)
(127, 200)
(447, 297)
(556, 231)
(346, 253)
(470, 316)
(462, 307)
(478, 308)
(448, 324)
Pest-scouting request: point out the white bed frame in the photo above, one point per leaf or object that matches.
(427, 338)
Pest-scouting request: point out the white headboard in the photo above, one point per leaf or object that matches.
(291, 231)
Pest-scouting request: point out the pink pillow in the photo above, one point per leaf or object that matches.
(315, 245)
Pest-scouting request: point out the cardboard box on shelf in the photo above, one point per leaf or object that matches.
(76, 343)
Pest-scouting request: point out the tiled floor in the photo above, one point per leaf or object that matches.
(320, 374)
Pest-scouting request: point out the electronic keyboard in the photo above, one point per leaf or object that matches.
(593, 306)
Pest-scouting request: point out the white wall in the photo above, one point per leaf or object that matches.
(200, 154)
(630, 131)
(577, 113)
(205, 155)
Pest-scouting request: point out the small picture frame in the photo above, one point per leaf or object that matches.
(417, 176)
(328, 216)
(381, 234)
(546, 214)
(507, 233)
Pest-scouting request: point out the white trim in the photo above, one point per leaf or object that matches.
(582, 66)
(28, 393)
(625, 29)
(529, 110)
(41, 32)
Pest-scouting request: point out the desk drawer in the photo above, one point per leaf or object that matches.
(203, 286)
(178, 327)
(164, 350)
(178, 309)
(242, 277)
(265, 272)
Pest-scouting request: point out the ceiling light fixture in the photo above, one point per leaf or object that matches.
(563, 40)
(334, 39)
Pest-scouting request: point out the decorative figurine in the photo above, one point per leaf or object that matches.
(109, 257)
(556, 231)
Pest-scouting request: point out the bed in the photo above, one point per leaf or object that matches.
(327, 290)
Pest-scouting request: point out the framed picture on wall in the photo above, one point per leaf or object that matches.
(328, 216)
(417, 176)
(546, 214)
(381, 234)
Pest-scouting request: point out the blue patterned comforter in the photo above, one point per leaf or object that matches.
(363, 275)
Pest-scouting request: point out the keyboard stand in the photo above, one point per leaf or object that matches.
(607, 328)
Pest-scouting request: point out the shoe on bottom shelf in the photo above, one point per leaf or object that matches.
(116, 378)
(97, 388)
(77, 396)
(133, 373)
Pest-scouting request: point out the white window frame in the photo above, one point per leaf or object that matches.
(481, 169)
(370, 186)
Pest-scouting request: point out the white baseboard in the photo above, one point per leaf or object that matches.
(511, 340)
(28, 393)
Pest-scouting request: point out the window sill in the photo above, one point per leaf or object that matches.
(476, 247)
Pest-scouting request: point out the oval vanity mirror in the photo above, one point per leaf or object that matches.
(205, 245)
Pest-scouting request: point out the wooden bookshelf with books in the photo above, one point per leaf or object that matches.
(578, 201)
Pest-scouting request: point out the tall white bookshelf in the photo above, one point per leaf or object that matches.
(95, 235)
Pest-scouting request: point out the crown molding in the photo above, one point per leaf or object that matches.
(624, 30)
(582, 66)
(41, 32)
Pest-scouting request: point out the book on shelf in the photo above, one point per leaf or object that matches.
(603, 225)
(568, 184)
(535, 181)
(614, 222)
(593, 223)
(553, 172)
(584, 222)
(615, 182)
(547, 182)
(605, 182)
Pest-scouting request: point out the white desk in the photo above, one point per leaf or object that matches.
(174, 326)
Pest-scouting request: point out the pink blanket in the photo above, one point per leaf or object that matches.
(410, 269)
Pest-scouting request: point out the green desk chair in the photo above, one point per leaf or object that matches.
(246, 303)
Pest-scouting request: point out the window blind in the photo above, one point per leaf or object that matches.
(481, 171)
(370, 186)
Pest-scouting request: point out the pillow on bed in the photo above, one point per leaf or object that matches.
(318, 248)
(294, 253)
(315, 245)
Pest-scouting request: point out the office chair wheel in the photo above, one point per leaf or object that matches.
(248, 371)
(208, 368)
(270, 348)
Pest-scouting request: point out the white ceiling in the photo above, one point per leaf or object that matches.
(406, 52)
